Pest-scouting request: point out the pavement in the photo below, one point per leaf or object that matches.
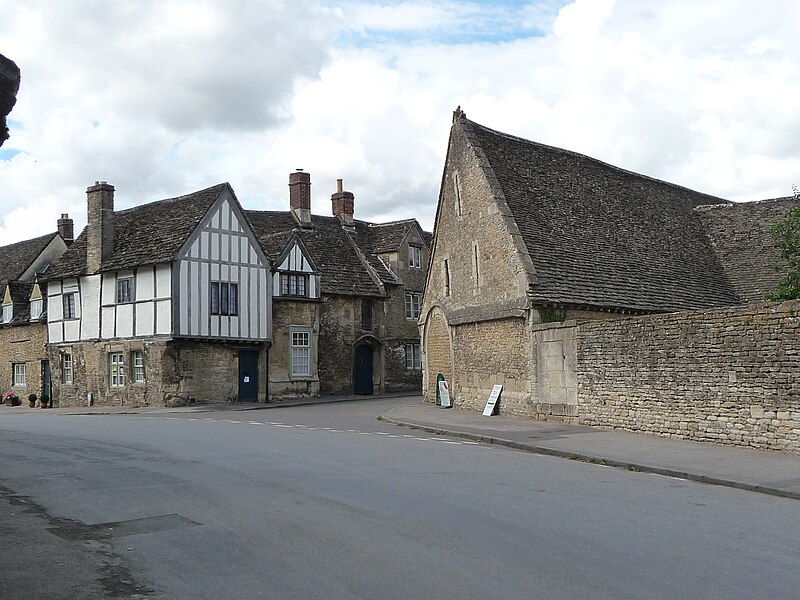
(762, 471)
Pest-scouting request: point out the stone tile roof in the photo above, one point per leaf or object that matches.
(601, 236)
(335, 251)
(144, 235)
(740, 234)
(16, 258)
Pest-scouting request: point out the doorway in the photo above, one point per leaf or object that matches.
(248, 376)
(362, 370)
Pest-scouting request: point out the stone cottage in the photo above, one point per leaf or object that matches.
(527, 234)
(163, 303)
(24, 368)
(346, 297)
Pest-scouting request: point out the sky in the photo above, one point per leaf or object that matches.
(164, 97)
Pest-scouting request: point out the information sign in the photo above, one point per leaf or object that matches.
(491, 403)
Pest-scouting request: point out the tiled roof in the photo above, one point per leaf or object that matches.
(601, 236)
(144, 235)
(334, 250)
(740, 234)
(16, 258)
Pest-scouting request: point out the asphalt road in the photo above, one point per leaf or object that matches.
(327, 502)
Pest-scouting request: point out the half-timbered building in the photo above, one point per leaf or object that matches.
(164, 303)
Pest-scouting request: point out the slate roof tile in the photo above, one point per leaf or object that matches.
(16, 258)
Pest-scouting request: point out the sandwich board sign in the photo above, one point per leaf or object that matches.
(491, 403)
(444, 394)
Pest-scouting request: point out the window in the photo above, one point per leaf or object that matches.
(36, 309)
(477, 265)
(412, 306)
(224, 298)
(66, 367)
(294, 284)
(8, 313)
(366, 315)
(124, 290)
(116, 369)
(413, 360)
(457, 190)
(414, 257)
(69, 305)
(446, 277)
(19, 375)
(137, 358)
(301, 352)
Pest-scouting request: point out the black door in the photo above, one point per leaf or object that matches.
(47, 384)
(248, 375)
(362, 371)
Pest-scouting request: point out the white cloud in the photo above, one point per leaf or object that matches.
(164, 97)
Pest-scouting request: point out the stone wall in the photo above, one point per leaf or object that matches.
(176, 373)
(25, 344)
(286, 314)
(438, 353)
(730, 376)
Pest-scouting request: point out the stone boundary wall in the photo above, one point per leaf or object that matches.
(729, 375)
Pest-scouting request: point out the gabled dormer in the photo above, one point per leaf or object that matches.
(8, 306)
(36, 301)
(295, 276)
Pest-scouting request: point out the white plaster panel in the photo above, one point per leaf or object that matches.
(263, 304)
(253, 295)
(124, 320)
(215, 219)
(234, 328)
(225, 242)
(72, 330)
(109, 290)
(214, 272)
(183, 302)
(276, 284)
(145, 312)
(205, 308)
(55, 308)
(204, 244)
(214, 325)
(90, 303)
(53, 288)
(145, 286)
(224, 273)
(234, 249)
(54, 332)
(244, 250)
(109, 314)
(164, 317)
(234, 273)
(215, 246)
(70, 285)
(194, 299)
(223, 327)
(225, 211)
(163, 281)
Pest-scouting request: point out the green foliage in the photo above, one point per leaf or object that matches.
(787, 235)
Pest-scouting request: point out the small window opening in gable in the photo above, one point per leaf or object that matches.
(294, 284)
(36, 309)
(8, 313)
(476, 262)
(414, 257)
(457, 192)
(446, 277)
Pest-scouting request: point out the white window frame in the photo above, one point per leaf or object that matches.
(300, 352)
(36, 308)
(413, 357)
(67, 372)
(126, 292)
(413, 303)
(137, 366)
(414, 257)
(8, 313)
(295, 285)
(20, 377)
(116, 370)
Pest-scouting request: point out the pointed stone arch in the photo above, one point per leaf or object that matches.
(438, 352)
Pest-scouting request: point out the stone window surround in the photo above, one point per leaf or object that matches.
(67, 372)
(300, 339)
(137, 366)
(414, 257)
(413, 357)
(116, 369)
(413, 304)
(19, 375)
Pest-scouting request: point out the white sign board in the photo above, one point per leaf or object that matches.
(444, 394)
(491, 403)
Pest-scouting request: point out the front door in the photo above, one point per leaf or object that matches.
(248, 375)
(362, 370)
(47, 385)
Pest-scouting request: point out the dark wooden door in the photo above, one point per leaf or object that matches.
(362, 370)
(248, 375)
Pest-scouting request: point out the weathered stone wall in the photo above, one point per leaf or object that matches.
(438, 354)
(25, 344)
(175, 372)
(286, 314)
(730, 376)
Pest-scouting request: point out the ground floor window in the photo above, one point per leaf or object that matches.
(116, 364)
(300, 339)
(19, 375)
(413, 359)
(138, 366)
(66, 367)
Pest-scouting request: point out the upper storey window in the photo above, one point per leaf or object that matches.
(294, 284)
(414, 257)
(124, 290)
(68, 302)
(224, 298)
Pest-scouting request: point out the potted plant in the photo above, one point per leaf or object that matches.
(11, 398)
(45, 401)
(32, 400)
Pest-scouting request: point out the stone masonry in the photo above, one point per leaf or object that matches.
(25, 344)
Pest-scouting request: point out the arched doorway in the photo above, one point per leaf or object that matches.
(438, 352)
(362, 370)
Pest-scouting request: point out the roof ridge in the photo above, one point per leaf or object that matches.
(28, 241)
(173, 199)
(595, 160)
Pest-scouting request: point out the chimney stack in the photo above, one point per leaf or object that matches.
(343, 204)
(100, 229)
(66, 229)
(300, 196)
